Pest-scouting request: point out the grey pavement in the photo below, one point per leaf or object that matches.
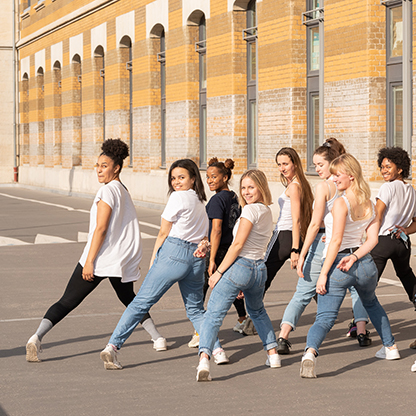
(71, 379)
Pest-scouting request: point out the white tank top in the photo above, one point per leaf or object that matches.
(284, 221)
(353, 232)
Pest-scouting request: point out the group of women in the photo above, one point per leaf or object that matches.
(226, 245)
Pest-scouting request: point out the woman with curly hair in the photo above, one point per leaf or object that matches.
(113, 250)
(396, 210)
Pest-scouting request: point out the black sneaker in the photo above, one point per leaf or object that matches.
(364, 340)
(352, 329)
(283, 346)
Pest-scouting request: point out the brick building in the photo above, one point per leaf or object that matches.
(203, 78)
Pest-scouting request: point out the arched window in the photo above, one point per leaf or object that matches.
(250, 36)
(76, 90)
(39, 151)
(201, 48)
(24, 119)
(57, 113)
(99, 61)
(161, 57)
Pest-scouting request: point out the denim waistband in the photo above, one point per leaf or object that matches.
(321, 231)
(183, 243)
(249, 261)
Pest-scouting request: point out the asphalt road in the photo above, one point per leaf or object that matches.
(71, 379)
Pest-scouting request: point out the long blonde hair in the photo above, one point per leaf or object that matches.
(260, 179)
(306, 196)
(349, 165)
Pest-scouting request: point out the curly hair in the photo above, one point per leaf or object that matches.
(398, 156)
(116, 150)
(225, 167)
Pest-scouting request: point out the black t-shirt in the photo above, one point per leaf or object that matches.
(224, 206)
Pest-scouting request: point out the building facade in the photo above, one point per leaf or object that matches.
(7, 84)
(203, 78)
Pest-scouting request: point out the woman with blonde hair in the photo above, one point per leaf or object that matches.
(347, 262)
(242, 270)
(295, 214)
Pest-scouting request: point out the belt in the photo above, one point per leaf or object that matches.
(348, 250)
(321, 231)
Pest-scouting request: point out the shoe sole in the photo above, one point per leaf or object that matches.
(221, 362)
(203, 375)
(160, 348)
(108, 361)
(285, 351)
(413, 345)
(32, 353)
(275, 365)
(307, 369)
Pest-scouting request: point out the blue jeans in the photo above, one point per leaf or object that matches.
(306, 288)
(363, 276)
(250, 277)
(174, 262)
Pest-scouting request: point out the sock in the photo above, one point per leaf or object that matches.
(151, 329)
(44, 327)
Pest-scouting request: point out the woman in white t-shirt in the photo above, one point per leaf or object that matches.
(242, 270)
(184, 226)
(113, 250)
(396, 210)
(347, 262)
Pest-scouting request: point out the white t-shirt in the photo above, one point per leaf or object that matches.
(400, 201)
(260, 216)
(188, 215)
(121, 252)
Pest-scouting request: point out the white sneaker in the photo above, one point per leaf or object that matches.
(160, 344)
(109, 356)
(273, 361)
(413, 367)
(194, 342)
(239, 326)
(202, 371)
(391, 353)
(220, 357)
(33, 347)
(307, 366)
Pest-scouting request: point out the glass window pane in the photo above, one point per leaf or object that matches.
(314, 48)
(315, 121)
(252, 139)
(315, 5)
(203, 136)
(398, 115)
(396, 31)
(252, 61)
(203, 71)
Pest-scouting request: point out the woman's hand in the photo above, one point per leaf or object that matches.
(240, 295)
(211, 268)
(299, 267)
(294, 258)
(201, 251)
(214, 279)
(88, 272)
(321, 284)
(346, 263)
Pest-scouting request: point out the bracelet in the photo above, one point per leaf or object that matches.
(353, 254)
(295, 250)
(220, 272)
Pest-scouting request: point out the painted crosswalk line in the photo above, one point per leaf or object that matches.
(7, 241)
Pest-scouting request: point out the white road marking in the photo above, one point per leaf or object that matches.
(45, 203)
(51, 239)
(7, 241)
(146, 236)
(147, 224)
(82, 237)
(390, 282)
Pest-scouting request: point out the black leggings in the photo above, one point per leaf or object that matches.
(278, 253)
(395, 250)
(219, 257)
(78, 289)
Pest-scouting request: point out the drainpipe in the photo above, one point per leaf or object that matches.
(15, 165)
